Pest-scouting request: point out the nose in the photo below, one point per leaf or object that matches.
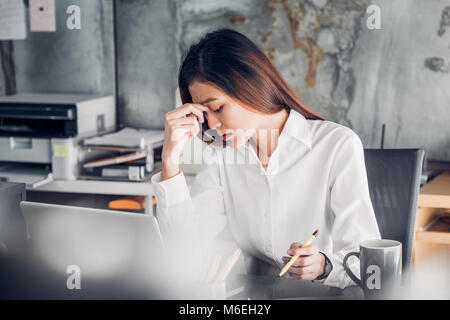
(213, 121)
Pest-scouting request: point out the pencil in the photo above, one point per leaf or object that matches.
(291, 262)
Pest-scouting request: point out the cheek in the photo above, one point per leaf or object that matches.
(240, 121)
(235, 118)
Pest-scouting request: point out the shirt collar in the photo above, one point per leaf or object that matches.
(297, 127)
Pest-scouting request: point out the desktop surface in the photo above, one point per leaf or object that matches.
(256, 287)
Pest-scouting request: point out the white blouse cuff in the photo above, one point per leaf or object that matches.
(338, 277)
(170, 191)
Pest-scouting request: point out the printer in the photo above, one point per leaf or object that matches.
(44, 131)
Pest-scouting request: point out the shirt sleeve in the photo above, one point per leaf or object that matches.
(195, 213)
(351, 208)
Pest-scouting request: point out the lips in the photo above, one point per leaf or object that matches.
(226, 136)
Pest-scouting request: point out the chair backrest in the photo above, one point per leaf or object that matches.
(394, 182)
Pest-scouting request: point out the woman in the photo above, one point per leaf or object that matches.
(281, 172)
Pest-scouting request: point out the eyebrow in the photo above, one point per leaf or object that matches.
(208, 100)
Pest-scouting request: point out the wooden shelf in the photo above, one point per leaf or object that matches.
(437, 234)
(433, 201)
(436, 193)
(433, 237)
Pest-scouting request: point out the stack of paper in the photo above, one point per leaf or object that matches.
(129, 154)
(128, 137)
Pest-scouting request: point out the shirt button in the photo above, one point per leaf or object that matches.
(269, 249)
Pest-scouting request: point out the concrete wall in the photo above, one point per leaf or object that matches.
(77, 61)
(361, 78)
(397, 82)
(147, 61)
(70, 60)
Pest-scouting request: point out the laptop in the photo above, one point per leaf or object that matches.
(88, 253)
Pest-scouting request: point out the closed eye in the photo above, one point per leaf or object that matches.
(218, 109)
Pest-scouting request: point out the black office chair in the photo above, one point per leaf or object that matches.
(394, 182)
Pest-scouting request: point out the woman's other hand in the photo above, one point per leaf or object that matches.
(310, 263)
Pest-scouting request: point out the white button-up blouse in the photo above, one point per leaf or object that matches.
(315, 179)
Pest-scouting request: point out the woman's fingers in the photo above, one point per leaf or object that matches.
(297, 249)
(301, 270)
(178, 121)
(186, 109)
(308, 265)
(184, 123)
(181, 130)
(308, 272)
(301, 261)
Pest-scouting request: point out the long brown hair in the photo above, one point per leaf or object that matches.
(233, 63)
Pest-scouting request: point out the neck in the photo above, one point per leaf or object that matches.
(266, 137)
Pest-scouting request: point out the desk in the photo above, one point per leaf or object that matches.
(272, 287)
(99, 187)
(103, 188)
